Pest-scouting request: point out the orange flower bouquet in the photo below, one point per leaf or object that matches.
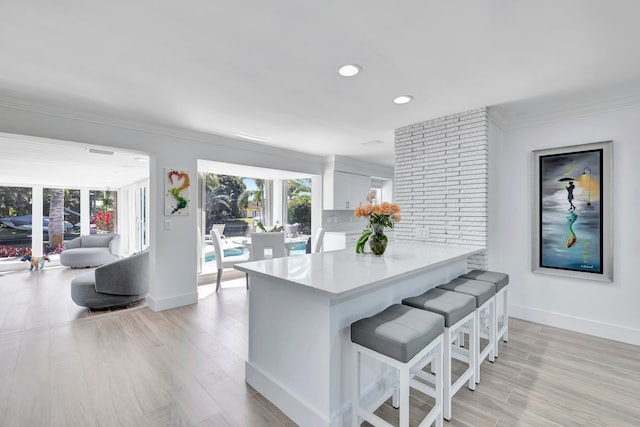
(380, 216)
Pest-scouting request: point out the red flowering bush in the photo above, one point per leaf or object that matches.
(57, 249)
(10, 251)
(104, 221)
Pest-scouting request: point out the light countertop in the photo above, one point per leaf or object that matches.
(343, 273)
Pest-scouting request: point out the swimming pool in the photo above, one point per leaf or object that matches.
(298, 249)
(227, 252)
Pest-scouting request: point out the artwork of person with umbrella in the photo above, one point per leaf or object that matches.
(570, 188)
(572, 239)
(568, 240)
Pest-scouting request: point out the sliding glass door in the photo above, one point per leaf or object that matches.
(15, 221)
(61, 217)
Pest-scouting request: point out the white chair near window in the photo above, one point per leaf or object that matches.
(317, 241)
(292, 230)
(221, 261)
(220, 228)
(267, 245)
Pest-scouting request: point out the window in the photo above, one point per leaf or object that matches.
(15, 221)
(63, 204)
(103, 207)
(299, 204)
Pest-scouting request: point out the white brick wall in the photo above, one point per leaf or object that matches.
(441, 181)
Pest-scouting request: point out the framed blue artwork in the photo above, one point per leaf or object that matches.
(572, 211)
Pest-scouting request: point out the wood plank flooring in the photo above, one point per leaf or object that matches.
(30, 299)
(547, 377)
(185, 367)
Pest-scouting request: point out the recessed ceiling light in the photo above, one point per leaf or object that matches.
(349, 70)
(403, 99)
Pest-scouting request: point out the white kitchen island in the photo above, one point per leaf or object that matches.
(300, 312)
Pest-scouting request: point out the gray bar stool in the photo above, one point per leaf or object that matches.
(484, 293)
(458, 310)
(406, 339)
(501, 280)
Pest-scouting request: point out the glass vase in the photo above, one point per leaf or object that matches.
(377, 240)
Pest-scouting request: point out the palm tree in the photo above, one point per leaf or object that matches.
(256, 196)
(243, 200)
(223, 192)
(298, 187)
(56, 217)
(299, 204)
(217, 204)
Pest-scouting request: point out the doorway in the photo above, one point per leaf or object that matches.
(238, 200)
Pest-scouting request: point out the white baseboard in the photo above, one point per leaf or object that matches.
(296, 409)
(159, 304)
(299, 411)
(577, 324)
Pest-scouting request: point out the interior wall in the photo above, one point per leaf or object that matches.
(173, 247)
(608, 310)
(441, 181)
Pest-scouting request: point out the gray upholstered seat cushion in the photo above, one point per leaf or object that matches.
(399, 331)
(452, 305)
(483, 291)
(86, 257)
(127, 276)
(90, 251)
(116, 284)
(83, 293)
(499, 279)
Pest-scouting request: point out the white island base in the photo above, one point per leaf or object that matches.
(300, 312)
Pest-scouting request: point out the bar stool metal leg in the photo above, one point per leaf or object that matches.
(355, 388)
(450, 352)
(489, 350)
(484, 294)
(501, 282)
(503, 331)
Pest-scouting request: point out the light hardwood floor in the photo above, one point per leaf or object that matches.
(30, 299)
(185, 367)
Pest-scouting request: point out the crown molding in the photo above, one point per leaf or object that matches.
(505, 119)
(499, 116)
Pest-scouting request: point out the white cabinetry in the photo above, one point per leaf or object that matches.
(334, 241)
(344, 190)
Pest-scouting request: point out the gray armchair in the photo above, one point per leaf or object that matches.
(90, 251)
(119, 283)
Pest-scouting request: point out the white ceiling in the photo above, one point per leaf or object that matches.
(268, 68)
(60, 164)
